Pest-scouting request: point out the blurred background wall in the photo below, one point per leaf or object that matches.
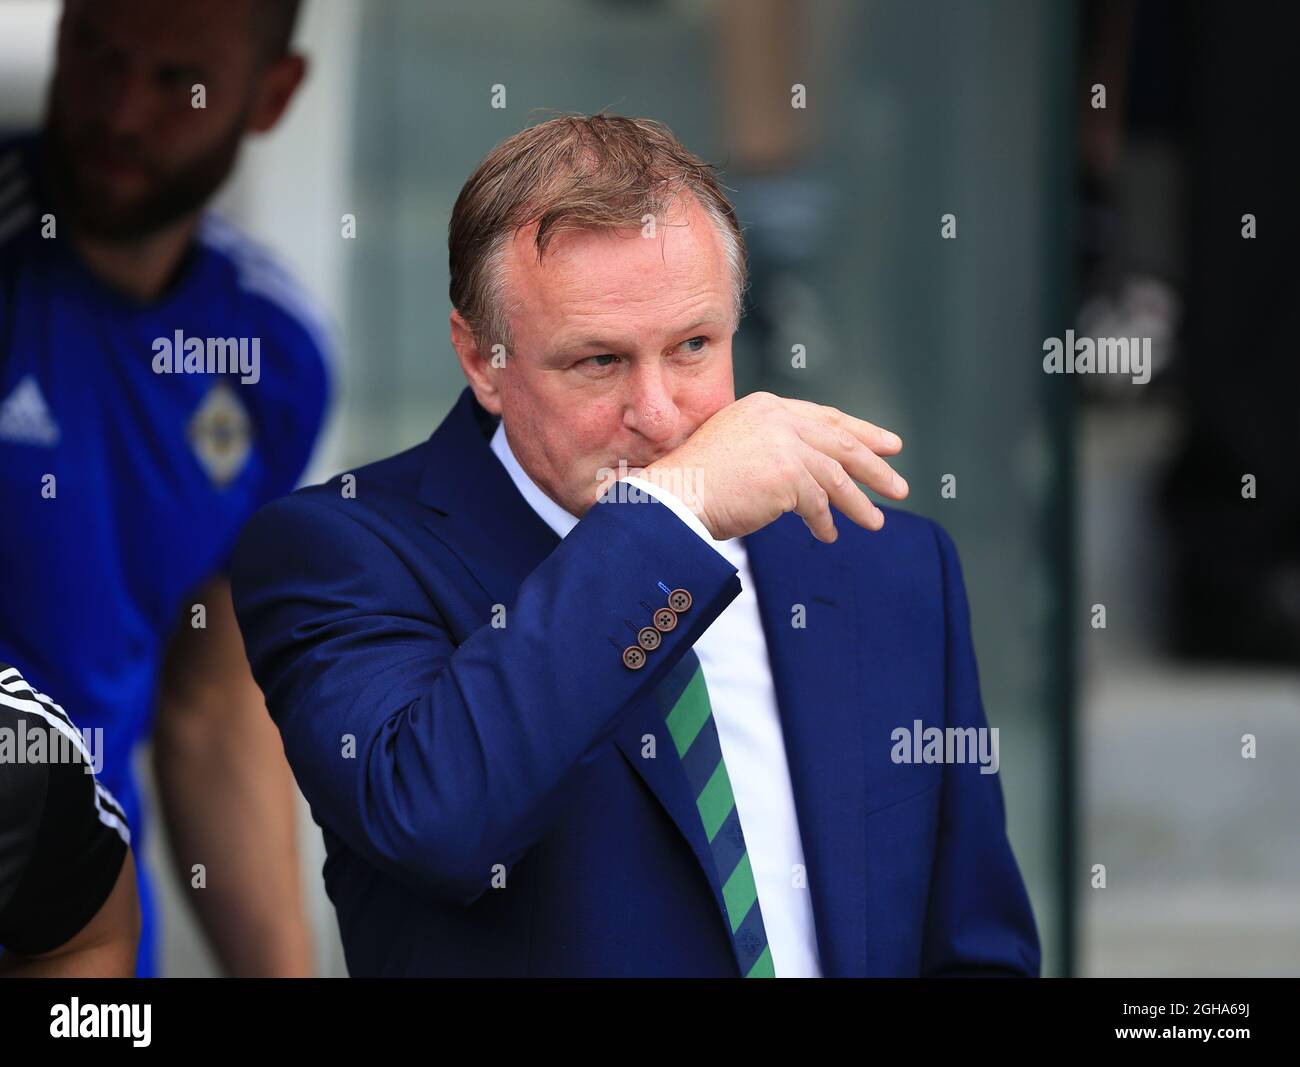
(1114, 750)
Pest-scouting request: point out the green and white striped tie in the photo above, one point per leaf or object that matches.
(695, 735)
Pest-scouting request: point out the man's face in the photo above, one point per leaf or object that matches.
(622, 348)
(130, 154)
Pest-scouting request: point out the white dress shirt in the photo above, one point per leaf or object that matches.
(733, 656)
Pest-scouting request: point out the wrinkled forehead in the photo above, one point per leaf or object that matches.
(679, 254)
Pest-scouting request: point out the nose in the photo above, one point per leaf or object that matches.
(650, 409)
(128, 102)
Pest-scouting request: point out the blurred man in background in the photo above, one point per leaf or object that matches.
(160, 379)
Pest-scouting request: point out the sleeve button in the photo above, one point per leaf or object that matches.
(665, 619)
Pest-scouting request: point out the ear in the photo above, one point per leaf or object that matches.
(277, 85)
(480, 373)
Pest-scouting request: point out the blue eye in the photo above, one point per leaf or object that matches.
(605, 355)
(701, 341)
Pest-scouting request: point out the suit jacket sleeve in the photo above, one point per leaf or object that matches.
(978, 920)
(438, 755)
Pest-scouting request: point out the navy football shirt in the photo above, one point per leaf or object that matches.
(126, 474)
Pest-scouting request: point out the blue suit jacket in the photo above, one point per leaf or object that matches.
(443, 755)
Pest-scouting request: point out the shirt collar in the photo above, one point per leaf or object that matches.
(556, 517)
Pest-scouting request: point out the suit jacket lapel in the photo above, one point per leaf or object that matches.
(821, 698)
(481, 515)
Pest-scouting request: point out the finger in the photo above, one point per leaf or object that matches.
(879, 440)
(813, 504)
(853, 455)
(842, 491)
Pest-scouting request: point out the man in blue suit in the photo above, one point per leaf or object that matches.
(570, 689)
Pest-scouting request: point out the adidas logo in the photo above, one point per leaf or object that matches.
(15, 205)
(25, 418)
